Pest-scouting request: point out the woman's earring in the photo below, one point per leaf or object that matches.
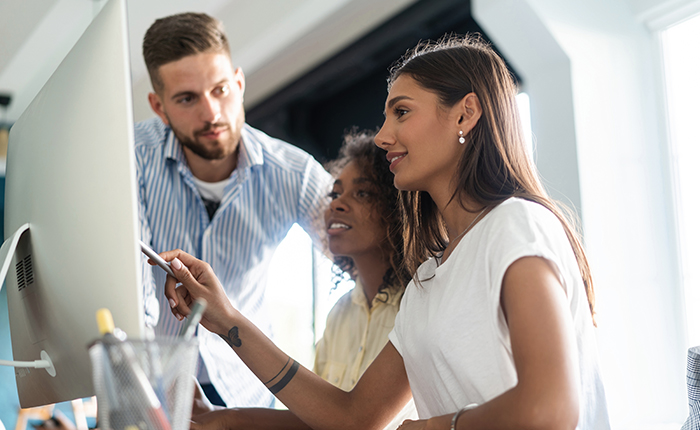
(461, 137)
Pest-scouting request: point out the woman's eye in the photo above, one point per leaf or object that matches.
(333, 195)
(399, 112)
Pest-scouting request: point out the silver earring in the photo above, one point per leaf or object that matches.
(461, 137)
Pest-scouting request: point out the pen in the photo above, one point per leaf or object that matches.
(190, 325)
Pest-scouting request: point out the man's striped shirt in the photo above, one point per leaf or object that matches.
(274, 185)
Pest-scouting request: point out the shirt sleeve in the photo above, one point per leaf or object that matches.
(321, 357)
(150, 301)
(313, 199)
(525, 229)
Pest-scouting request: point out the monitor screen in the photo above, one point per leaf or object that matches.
(70, 177)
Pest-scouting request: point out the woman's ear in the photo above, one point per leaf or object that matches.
(470, 112)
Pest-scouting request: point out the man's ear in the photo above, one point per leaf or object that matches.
(239, 79)
(469, 112)
(157, 105)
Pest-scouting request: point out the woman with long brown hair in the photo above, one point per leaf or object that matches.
(496, 327)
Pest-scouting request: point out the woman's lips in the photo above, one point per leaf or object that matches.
(337, 228)
(394, 159)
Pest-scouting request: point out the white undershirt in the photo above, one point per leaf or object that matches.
(213, 191)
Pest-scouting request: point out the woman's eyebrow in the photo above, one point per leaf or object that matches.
(395, 100)
(361, 180)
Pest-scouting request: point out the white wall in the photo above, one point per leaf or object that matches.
(276, 42)
(273, 41)
(596, 101)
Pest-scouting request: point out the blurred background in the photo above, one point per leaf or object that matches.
(609, 96)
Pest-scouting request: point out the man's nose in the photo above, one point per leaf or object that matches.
(211, 110)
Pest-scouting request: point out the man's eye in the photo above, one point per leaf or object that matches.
(185, 100)
(223, 90)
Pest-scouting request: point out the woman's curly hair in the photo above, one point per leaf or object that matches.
(358, 146)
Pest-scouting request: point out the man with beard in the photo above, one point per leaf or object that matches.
(215, 187)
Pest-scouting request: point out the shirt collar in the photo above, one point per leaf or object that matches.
(251, 151)
(173, 149)
(393, 296)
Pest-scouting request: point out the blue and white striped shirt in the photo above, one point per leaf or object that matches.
(274, 185)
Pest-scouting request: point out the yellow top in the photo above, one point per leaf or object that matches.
(355, 334)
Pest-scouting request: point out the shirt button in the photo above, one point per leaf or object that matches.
(360, 349)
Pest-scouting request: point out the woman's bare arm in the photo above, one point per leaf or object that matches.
(379, 395)
(248, 419)
(543, 342)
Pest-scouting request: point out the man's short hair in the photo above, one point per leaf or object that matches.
(177, 36)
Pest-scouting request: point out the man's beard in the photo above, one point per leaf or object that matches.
(217, 152)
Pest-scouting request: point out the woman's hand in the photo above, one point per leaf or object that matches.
(435, 423)
(222, 419)
(196, 279)
(200, 403)
(413, 425)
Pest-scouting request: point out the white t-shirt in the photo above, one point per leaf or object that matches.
(451, 331)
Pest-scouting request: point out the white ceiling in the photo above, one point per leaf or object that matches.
(274, 41)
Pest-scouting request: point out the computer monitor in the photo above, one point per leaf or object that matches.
(70, 177)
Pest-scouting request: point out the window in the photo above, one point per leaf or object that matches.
(523, 101)
(301, 291)
(680, 43)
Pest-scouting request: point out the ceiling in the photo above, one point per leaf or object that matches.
(274, 41)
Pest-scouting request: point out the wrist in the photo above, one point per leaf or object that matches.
(438, 423)
(234, 418)
(231, 337)
(455, 417)
(225, 321)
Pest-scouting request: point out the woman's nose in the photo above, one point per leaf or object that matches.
(338, 206)
(382, 138)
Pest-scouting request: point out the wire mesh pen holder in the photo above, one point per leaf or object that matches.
(144, 385)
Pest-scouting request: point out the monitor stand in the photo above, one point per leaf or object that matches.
(7, 251)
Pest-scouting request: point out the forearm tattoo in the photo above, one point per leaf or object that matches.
(232, 337)
(276, 384)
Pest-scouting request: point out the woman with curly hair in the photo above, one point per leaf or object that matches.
(366, 239)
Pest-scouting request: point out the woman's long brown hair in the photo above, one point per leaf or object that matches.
(495, 165)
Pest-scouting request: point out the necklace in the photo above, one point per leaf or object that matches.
(443, 257)
(468, 227)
